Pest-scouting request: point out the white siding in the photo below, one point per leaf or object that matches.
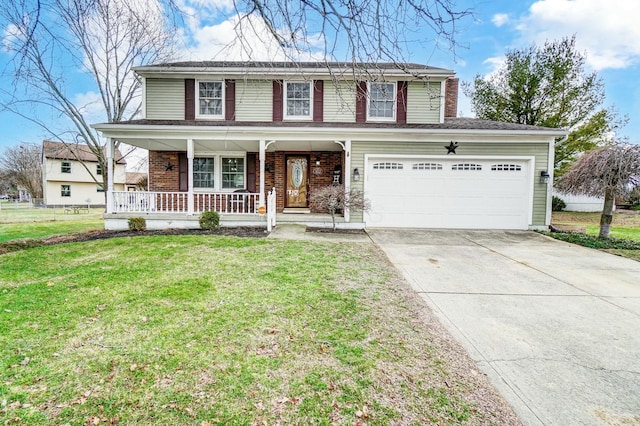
(254, 100)
(165, 99)
(83, 187)
(82, 193)
(339, 102)
(423, 102)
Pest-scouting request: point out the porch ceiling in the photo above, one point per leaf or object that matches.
(204, 145)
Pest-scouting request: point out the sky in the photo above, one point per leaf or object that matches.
(606, 31)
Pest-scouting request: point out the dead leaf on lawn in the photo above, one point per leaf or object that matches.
(93, 420)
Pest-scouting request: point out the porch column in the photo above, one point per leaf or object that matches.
(190, 200)
(262, 156)
(109, 152)
(347, 175)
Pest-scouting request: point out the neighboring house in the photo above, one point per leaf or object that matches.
(133, 180)
(66, 179)
(224, 136)
(581, 203)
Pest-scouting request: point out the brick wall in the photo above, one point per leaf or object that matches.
(319, 175)
(161, 179)
(451, 97)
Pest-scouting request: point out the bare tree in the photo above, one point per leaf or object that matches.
(56, 41)
(333, 198)
(608, 172)
(7, 184)
(23, 165)
(354, 30)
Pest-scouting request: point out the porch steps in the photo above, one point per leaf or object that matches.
(287, 217)
(289, 210)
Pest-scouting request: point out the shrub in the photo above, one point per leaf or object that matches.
(558, 204)
(137, 224)
(209, 220)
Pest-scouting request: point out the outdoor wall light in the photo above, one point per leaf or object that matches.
(544, 176)
(356, 174)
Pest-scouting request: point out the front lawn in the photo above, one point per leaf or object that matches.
(19, 230)
(625, 227)
(21, 220)
(222, 330)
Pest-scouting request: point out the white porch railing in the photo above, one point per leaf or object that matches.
(178, 202)
(271, 209)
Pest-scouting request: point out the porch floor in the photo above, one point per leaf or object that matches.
(181, 220)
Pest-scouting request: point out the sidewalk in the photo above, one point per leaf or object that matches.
(298, 232)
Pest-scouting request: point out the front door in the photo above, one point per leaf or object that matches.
(297, 181)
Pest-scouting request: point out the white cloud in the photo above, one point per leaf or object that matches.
(247, 38)
(607, 31)
(90, 106)
(499, 19)
(495, 62)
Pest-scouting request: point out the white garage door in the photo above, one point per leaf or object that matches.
(448, 193)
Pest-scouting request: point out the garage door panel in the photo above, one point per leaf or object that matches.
(427, 193)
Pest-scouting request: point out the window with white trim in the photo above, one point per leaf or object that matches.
(388, 166)
(99, 188)
(220, 172)
(232, 173)
(204, 172)
(382, 102)
(65, 190)
(427, 166)
(210, 99)
(506, 167)
(298, 98)
(466, 166)
(65, 167)
(98, 169)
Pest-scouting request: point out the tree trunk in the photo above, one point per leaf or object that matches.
(607, 214)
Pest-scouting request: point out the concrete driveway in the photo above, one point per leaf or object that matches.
(556, 327)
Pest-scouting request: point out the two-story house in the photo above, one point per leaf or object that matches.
(228, 136)
(67, 171)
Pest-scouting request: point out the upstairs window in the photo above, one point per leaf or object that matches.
(298, 100)
(65, 167)
(382, 102)
(98, 169)
(210, 99)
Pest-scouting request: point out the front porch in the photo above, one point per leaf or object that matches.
(163, 210)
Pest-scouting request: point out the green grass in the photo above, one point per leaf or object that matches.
(12, 231)
(218, 330)
(14, 213)
(616, 232)
(19, 221)
(625, 232)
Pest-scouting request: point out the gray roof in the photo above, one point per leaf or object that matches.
(295, 65)
(458, 123)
